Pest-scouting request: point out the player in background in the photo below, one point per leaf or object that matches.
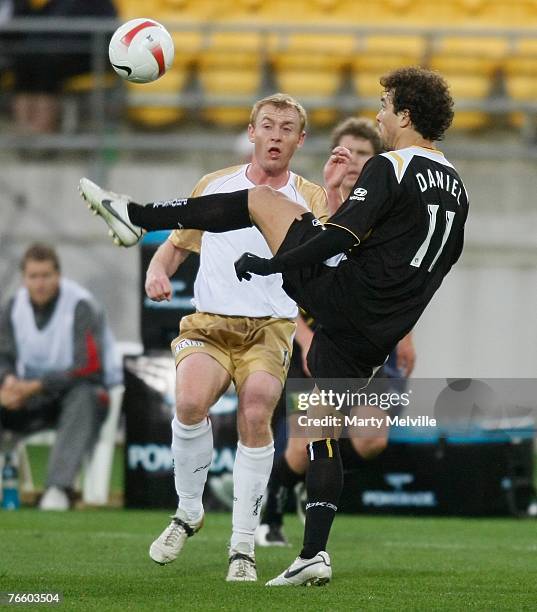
(376, 263)
(238, 333)
(361, 137)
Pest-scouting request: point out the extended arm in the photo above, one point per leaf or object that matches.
(162, 267)
(406, 355)
(332, 241)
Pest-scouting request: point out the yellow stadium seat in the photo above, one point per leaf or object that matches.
(310, 65)
(405, 13)
(470, 65)
(522, 61)
(469, 54)
(231, 65)
(464, 87)
(522, 87)
(368, 91)
(309, 76)
(377, 55)
(130, 9)
(500, 13)
(381, 53)
(170, 85)
(265, 12)
(470, 87)
(185, 10)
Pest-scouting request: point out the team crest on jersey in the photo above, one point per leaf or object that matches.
(315, 222)
(184, 344)
(359, 194)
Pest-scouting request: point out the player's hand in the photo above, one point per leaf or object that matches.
(158, 287)
(336, 167)
(12, 393)
(406, 355)
(249, 264)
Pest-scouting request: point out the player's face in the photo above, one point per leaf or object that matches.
(388, 121)
(361, 150)
(276, 136)
(42, 281)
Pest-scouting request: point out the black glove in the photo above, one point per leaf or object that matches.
(249, 264)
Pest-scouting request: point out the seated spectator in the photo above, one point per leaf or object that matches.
(40, 75)
(57, 358)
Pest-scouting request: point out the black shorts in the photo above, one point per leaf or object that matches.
(338, 350)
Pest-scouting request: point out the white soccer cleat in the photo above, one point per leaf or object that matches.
(270, 535)
(305, 572)
(112, 207)
(241, 564)
(170, 542)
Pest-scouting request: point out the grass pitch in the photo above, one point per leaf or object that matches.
(98, 560)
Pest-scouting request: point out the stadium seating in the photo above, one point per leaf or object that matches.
(230, 66)
(75, 90)
(187, 35)
(470, 65)
(234, 52)
(167, 90)
(520, 71)
(378, 54)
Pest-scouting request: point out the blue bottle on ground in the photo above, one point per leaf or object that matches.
(10, 484)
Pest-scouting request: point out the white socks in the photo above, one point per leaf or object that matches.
(251, 473)
(192, 450)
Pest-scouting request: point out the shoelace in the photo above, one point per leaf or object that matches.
(174, 532)
(242, 569)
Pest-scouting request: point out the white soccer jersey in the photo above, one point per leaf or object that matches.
(216, 289)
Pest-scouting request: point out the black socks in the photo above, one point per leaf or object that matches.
(282, 479)
(324, 482)
(218, 212)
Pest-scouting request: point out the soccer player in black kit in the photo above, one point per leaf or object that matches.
(399, 233)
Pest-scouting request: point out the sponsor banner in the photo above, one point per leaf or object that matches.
(149, 405)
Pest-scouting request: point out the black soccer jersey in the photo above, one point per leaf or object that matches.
(407, 212)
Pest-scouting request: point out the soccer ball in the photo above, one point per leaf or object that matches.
(141, 50)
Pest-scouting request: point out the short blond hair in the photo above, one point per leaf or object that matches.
(279, 100)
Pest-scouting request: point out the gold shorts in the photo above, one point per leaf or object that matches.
(241, 345)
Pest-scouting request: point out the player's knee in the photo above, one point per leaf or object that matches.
(296, 454)
(263, 191)
(190, 410)
(256, 416)
(369, 448)
(261, 196)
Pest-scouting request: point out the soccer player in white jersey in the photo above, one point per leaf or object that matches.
(238, 333)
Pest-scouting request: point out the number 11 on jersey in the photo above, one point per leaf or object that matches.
(422, 251)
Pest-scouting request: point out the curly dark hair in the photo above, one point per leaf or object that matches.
(425, 94)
